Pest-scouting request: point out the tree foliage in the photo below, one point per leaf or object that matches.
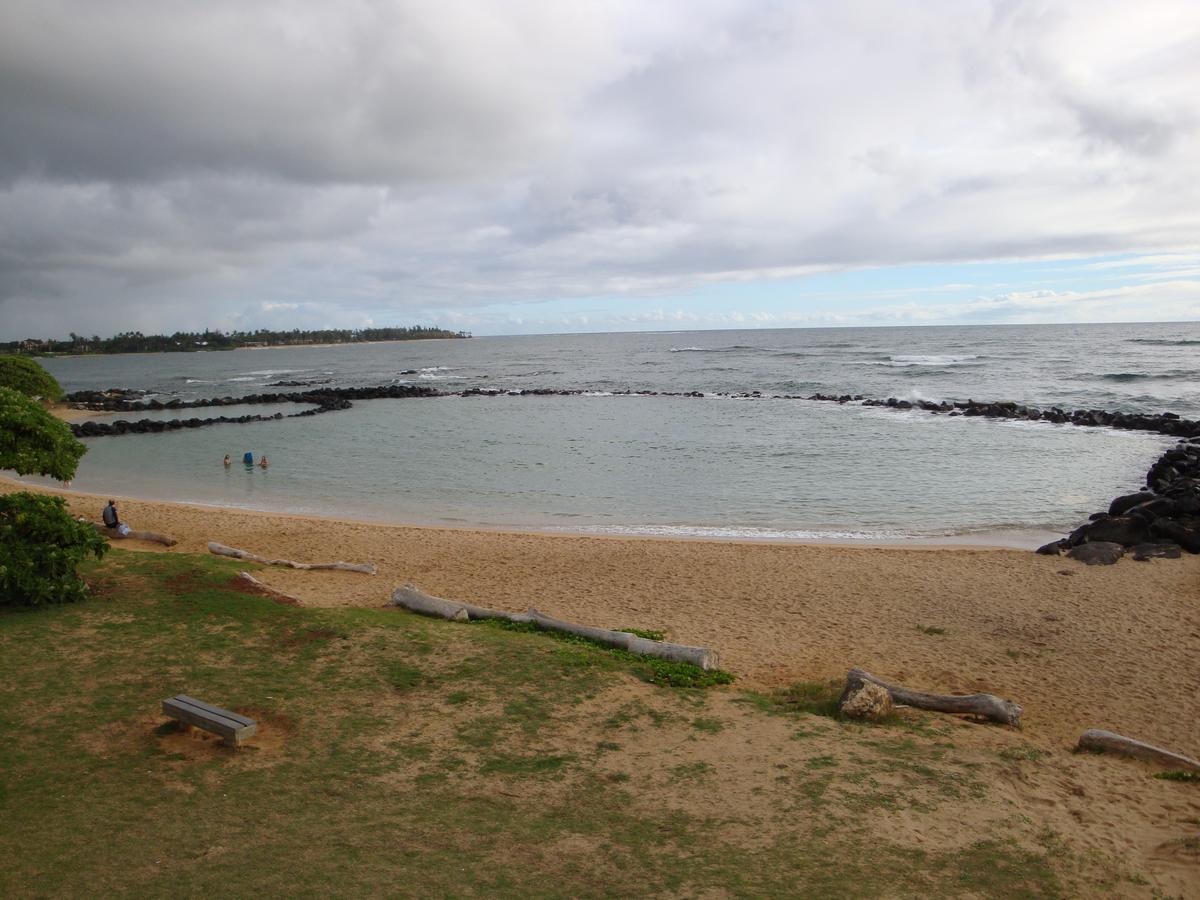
(41, 547)
(186, 341)
(26, 376)
(33, 442)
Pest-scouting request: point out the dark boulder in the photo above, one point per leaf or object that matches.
(1123, 530)
(1184, 531)
(1121, 504)
(1054, 548)
(1158, 508)
(1156, 550)
(1100, 553)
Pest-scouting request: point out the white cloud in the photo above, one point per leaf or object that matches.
(171, 165)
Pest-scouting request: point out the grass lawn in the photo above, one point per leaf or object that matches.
(403, 756)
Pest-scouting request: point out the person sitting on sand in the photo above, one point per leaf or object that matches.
(227, 460)
(262, 463)
(113, 520)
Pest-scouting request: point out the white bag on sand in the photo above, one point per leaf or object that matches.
(123, 530)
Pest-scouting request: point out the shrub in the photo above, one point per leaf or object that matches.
(27, 377)
(40, 548)
(33, 442)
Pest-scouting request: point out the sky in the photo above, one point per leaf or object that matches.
(558, 166)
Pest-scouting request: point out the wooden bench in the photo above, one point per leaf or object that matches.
(231, 726)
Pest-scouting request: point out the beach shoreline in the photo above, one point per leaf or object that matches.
(995, 539)
(1027, 627)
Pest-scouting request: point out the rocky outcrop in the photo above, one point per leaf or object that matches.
(319, 401)
(1158, 522)
(1157, 550)
(1099, 553)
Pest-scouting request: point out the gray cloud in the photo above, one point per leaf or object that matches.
(172, 164)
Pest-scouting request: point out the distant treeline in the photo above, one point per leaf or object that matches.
(180, 341)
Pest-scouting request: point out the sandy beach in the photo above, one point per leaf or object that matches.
(1078, 646)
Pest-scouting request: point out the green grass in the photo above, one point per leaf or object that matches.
(813, 698)
(931, 629)
(648, 668)
(404, 756)
(1178, 775)
(1021, 754)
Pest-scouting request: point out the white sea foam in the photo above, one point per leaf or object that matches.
(903, 361)
(746, 533)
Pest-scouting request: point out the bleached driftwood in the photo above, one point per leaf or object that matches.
(270, 591)
(222, 550)
(1100, 741)
(412, 598)
(987, 705)
(698, 656)
(153, 536)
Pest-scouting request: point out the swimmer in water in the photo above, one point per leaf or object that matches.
(227, 460)
(262, 463)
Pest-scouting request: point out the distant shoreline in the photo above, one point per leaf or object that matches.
(54, 355)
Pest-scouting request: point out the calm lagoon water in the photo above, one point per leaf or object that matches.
(711, 466)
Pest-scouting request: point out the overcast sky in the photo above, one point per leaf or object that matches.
(511, 166)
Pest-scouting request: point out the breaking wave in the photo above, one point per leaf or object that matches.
(904, 361)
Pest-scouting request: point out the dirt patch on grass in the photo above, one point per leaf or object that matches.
(188, 743)
(240, 585)
(306, 636)
(183, 583)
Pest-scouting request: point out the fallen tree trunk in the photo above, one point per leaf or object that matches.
(986, 705)
(153, 536)
(278, 596)
(222, 550)
(1099, 741)
(411, 598)
(703, 657)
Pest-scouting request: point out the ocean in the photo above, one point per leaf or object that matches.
(709, 466)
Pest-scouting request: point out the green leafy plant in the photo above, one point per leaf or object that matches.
(27, 377)
(33, 442)
(41, 547)
(644, 633)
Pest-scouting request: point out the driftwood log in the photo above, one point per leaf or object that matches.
(412, 598)
(222, 550)
(279, 596)
(986, 705)
(1099, 741)
(153, 536)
